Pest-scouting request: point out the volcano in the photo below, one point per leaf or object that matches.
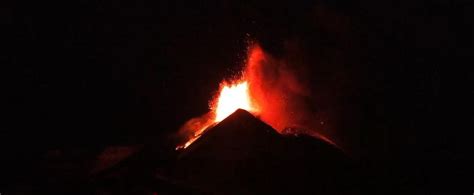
(243, 155)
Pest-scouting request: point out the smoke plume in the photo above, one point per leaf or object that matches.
(280, 88)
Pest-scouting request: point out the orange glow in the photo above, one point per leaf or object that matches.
(231, 98)
(267, 88)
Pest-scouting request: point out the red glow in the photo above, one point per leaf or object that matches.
(266, 89)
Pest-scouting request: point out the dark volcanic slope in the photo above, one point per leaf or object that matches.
(243, 155)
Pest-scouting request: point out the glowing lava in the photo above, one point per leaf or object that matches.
(231, 98)
(233, 95)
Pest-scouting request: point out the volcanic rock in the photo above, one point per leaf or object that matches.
(243, 155)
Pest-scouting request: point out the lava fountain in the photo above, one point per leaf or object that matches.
(232, 96)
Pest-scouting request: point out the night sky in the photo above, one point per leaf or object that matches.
(88, 74)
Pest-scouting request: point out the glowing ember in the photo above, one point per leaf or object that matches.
(231, 98)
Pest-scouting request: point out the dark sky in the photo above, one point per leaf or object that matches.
(94, 73)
